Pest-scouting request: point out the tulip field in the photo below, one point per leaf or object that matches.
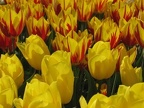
(71, 53)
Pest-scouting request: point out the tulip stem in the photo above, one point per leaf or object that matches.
(114, 83)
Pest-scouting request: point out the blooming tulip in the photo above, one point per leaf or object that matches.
(34, 49)
(12, 66)
(64, 22)
(123, 52)
(39, 95)
(129, 75)
(75, 43)
(127, 29)
(57, 67)
(39, 27)
(8, 91)
(134, 95)
(120, 10)
(85, 9)
(104, 33)
(12, 23)
(102, 60)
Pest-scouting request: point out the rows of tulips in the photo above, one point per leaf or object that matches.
(71, 53)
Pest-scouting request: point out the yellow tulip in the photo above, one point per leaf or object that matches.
(119, 10)
(101, 60)
(39, 95)
(104, 33)
(34, 49)
(12, 66)
(123, 52)
(38, 26)
(57, 67)
(8, 91)
(11, 22)
(64, 22)
(127, 29)
(134, 95)
(129, 75)
(85, 9)
(75, 43)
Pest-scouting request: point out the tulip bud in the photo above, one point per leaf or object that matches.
(102, 60)
(129, 75)
(57, 67)
(12, 66)
(39, 95)
(34, 49)
(8, 91)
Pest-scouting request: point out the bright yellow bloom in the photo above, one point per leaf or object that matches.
(85, 9)
(57, 67)
(104, 33)
(75, 43)
(134, 95)
(102, 60)
(11, 22)
(129, 75)
(34, 49)
(12, 66)
(38, 26)
(39, 95)
(8, 91)
(123, 52)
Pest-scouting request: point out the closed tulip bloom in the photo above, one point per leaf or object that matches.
(134, 95)
(39, 95)
(12, 66)
(102, 60)
(129, 75)
(34, 49)
(57, 67)
(131, 53)
(8, 91)
(38, 26)
(11, 22)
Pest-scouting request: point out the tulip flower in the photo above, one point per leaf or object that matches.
(12, 23)
(94, 24)
(75, 43)
(129, 75)
(134, 94)
(46, 2)
(57, 67)
(34, 49)
(85, 9)
(128, 31)
(6, 43)
(131, 53)
(39, 27)
(12, 66)
(8, 91)
(101, 5)
(139, 30)
(104, 33)
(101, 60)
(119, 10)
(64, 22)
(35, 10)
(39, 95)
